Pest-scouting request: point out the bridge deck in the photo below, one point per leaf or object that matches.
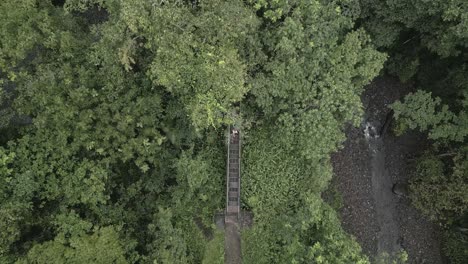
(232, 241)
(233, 174)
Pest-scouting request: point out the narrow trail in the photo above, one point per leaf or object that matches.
(232, 241)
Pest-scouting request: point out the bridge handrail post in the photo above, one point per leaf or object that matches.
(227, 167)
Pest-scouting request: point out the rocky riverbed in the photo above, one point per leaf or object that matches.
(367, 168)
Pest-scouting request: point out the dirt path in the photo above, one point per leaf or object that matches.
(232, 241)
(365, 171)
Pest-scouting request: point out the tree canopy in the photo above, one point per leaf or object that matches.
(113, 117)
(128, 101)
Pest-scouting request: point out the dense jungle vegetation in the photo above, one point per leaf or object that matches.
(113, 117)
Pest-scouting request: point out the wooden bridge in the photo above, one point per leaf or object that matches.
(232, 225)
(233, 174)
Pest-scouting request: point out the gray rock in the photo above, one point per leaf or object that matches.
(400, 189)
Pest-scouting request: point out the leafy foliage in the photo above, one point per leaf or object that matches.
(129, 100)
(111, 144)
(421, 111)
(438, 193)
(396, 258)
(214, 253)
(438, 188)
(309, 86)
(6, 112)
(79, 249)
(301, 237)
(439, 25)
(456, 247)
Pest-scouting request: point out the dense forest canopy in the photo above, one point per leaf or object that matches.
(113, 117)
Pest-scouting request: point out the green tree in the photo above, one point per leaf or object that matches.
(307, 86)
(438, 193)
(128, 111)
(409, 29)
(6, 112)
(84, 248)
(420, 110)
(438, 187)
(120, 107)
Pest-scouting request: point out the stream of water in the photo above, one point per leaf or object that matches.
(385, 208)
